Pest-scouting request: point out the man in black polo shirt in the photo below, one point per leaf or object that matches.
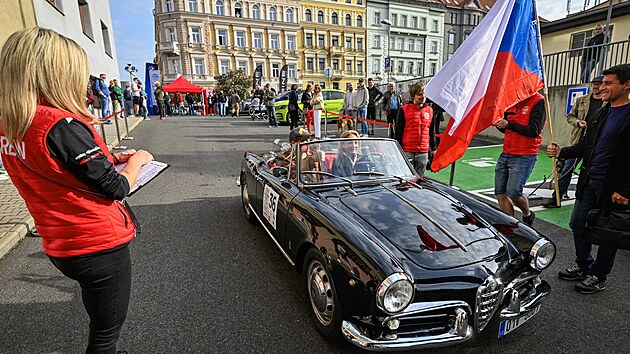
(604, 177)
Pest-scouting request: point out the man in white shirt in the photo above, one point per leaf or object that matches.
(135, 93)
(349, 105)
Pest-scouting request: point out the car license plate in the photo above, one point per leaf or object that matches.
(508, 326)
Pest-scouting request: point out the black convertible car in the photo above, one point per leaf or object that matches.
(392, 261)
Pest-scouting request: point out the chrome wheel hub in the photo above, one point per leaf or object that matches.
(245, 198)
(321, 293)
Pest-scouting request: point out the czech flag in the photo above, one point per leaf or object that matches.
(497, 66)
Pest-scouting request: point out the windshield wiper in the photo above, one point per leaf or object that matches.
(368, 173)
(326, 174)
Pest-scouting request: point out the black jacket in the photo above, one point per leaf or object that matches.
(618, 175)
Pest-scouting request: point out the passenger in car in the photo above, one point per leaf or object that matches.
(349, 159)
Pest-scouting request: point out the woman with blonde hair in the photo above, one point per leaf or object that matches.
(347, 154)
(318, 108)
(65, 174)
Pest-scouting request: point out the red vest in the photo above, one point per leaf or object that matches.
(515, 143)
(417, 123)
(71, 222)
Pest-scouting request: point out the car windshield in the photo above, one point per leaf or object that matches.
(351, 160)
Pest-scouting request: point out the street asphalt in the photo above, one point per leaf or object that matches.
(206, 281)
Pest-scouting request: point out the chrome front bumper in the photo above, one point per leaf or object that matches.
(460, 331)
(517, 306)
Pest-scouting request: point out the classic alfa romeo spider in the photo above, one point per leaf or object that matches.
(390, 260)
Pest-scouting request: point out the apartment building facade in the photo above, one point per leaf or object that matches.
(460, 20)
(410, 33)
(332, 34)
(201, 39)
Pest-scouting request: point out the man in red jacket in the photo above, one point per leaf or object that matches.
(523, 134)
(412, 129)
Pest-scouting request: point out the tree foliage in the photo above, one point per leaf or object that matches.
(235, 80)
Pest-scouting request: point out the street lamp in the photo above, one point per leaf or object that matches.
(389, 32)
(132, 70)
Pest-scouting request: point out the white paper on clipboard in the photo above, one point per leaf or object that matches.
(147, 173)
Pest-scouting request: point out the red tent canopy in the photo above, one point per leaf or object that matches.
(182, 85)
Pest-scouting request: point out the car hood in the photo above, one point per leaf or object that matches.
(430, 229)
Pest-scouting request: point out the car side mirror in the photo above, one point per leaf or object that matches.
(280, 172)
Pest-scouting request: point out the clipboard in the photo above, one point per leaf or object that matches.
(147, 173)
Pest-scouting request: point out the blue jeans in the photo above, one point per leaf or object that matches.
(105, 279)
(511, 174)
(271, 112)
(419, 161)
(587, 66)
(602, 266)
(104, 106)
(362, 113)
(565, 177)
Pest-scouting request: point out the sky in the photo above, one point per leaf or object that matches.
(135, 40)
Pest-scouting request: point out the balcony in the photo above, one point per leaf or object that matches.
(169, 48)
(336, 51)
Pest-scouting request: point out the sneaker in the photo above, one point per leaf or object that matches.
(270, 126)
(147, 118)
(529, 220)
(108, 122)
(573, 273)
(551, 203)
(590, 285)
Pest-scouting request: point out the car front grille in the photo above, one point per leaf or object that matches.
(425, 324)
(488, 298)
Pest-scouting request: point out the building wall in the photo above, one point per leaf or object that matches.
(219, 47)
(94, 33)
(336, 56)
(458, 24)
(16, 15)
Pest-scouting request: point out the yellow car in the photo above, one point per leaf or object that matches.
(333, 102)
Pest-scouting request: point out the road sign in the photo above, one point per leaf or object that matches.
(573, 94)
(328, 71)
(388, 63)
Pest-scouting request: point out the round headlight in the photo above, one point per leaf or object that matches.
(542, 254)
(395, 293)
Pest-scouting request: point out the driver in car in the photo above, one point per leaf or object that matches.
(349, 159)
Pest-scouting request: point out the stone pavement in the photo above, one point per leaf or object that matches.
(15, 220)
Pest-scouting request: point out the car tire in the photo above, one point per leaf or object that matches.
(249, 214)
(325, 309)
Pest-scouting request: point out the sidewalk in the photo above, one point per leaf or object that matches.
(15, 221)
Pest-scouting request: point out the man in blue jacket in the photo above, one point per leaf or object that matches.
(102, 91)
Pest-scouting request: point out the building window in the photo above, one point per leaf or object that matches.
(258, 40)
(392, 43)
(309, 63)
(320, 40)
(359, 21)
(273, 14)
(289, 15)
(321, 64)
(219, 9)
(401, 63)
(335, 41)
(307, 15)
(403, 21)
(169, 5)
(291, 71)
(256, 12)
(192, 6)
(348, 20)
(394, 20)
(401, 43)
(453, 18)
(436, 25)
(410, 68)
(420, 68)
(359, 2)
(433, 69)
(275, 42)
(377, 41)
(262, 66)
(238, 10)
(224, 67)
(334, 18)
(170, 34)
(106, 41)
(290, 42)
(335, 85)
(468, 19)
(410, 45)
(376, 65)
(434, 46)
(359, 43)
(360, 66)
(240, 39)
(348, 43)
(420, 45)
(242, 65)
(348, 1)
(335, 64)
(320, 16)
(275, 70)
(175, 66)
(423, 23)
(309, 39)
(414, 22)
(377, 18)
(451, 38)
(86, 21)
(195, 35)
(348, 65)
(199, 67)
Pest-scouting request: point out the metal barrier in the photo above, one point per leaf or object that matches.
(566, 68)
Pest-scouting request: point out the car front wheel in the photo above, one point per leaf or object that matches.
(249, 215)
(322, 295)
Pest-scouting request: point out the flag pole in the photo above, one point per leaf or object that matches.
(546, 95)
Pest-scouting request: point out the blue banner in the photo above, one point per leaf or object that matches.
(152, 75)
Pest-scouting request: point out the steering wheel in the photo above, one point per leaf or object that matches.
(372, 161)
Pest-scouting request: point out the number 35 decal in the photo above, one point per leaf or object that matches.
(270, 205)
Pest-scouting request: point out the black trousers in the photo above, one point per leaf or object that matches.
(391, 119)
(293, 115)
(105, 279)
